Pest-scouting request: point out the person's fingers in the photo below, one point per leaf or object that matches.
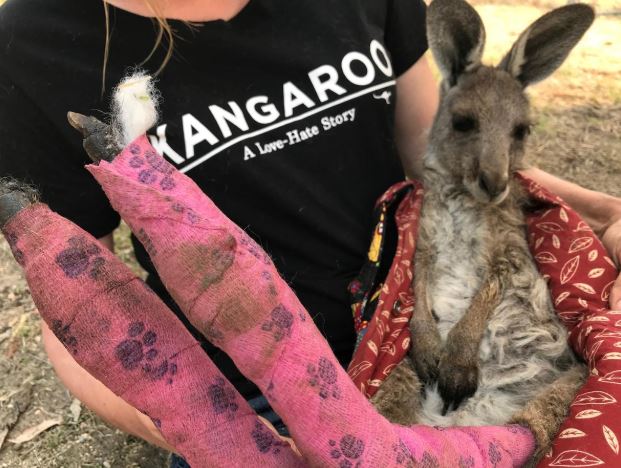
(612, 241)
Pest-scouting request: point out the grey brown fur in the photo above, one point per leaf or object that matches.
(14, 196)
(487, 347)
(102, 142)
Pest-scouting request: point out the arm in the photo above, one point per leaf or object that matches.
(426, 343)
(458, 370)
(601, 211)
(108, 242)
(417, 101)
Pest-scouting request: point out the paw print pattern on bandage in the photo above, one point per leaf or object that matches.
(138, 351)
(515, 429)
(254, 249)
(323, 377)
(134, 149)
(347, 452)
(189, 214)
(466, 462)
(81, 256)
(222, 398)
(495, 456)
(267, 276)
(266, 440)
(158, 163)
(429, 461)
(280, 322)
(63, 333)
(403, 455)
(153, 168)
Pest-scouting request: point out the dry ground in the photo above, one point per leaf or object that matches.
(577, 136)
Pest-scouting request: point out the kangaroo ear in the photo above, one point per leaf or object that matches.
(456, 37)
(546, 43)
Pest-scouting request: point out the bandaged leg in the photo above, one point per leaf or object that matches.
(122, 334)
(229, 289)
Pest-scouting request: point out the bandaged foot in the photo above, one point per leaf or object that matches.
(229, 289)
(122, 334)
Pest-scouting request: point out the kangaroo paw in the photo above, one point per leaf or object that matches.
(457, 381)
(426, 351)
(14, 197)
(100, 141)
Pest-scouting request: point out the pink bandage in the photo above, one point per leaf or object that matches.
(120, 332)
(229, 289)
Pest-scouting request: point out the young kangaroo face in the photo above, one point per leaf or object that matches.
(479, 132)
(477, 139)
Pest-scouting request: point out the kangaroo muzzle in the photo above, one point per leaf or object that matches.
(493, 185)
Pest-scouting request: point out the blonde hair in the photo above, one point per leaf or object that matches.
(165, 33)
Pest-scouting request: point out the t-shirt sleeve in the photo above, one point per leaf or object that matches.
(405, 35)
(33, 150)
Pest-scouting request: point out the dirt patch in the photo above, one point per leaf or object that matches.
(577, 136)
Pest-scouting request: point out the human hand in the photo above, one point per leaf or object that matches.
(611, 238)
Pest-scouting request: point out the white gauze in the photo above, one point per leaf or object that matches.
(135, 107)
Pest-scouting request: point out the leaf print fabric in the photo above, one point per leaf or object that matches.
(580, 278)
(384, 337)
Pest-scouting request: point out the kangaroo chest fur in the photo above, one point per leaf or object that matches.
(459, 264)
(524, 346)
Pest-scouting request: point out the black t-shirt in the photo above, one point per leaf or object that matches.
(283, 116)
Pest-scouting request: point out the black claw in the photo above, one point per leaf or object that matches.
(454, 396)
(427, 369)
(446, 407)
(458, 400)
(427, 375)
(14, 197)
(86, 125)
(99, 138)
(448, 397)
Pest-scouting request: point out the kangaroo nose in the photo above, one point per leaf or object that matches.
(492, 186)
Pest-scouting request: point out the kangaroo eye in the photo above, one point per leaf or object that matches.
(521, 131)
(464, 123)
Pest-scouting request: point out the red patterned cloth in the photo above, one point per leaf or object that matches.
(382, 311)
(580, 275)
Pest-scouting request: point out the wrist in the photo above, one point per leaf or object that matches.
(606, 213)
